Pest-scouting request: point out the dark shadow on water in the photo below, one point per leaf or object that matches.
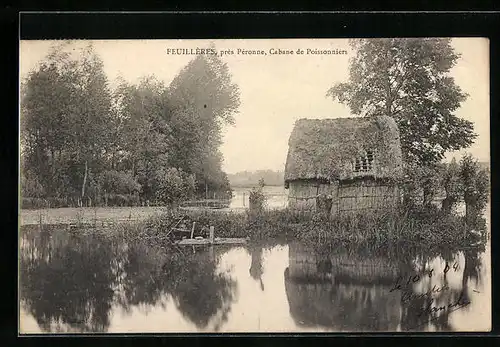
(76, 281)
(347, 289)
(66, 281)
(70, 283)
(256, 268)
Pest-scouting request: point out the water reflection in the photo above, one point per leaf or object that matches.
(66, 281)
(78, 282)
(340, 291)
(256, 269)
(357, 290)
(70, 282)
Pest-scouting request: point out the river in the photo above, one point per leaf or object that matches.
(75, 282)
(276, 197)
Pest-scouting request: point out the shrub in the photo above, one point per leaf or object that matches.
(171, 186)
(421, 184)
(257, 200)
(474, 187)
(31, 187)
(422, 227)
(450, 181)
(119, 182)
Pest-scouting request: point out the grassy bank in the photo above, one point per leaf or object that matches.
(427, 228)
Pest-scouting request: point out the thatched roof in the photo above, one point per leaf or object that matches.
(327, 148)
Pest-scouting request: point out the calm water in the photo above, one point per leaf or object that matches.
(78, 283)
(276, 197)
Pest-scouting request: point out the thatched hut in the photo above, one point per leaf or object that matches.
(308, 264)
(344, 164)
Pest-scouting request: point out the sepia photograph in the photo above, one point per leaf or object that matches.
(254, 185)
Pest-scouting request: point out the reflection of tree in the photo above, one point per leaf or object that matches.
(472, 266)
(65, 280)
(199, 291)
(256, 268)
(69, 282)
(416, 313)
(143, 277)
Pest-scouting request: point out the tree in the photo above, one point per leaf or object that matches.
(474, 187)
(408, 79)
(65, 120)
(81, 140)
(92, 114)
(146, 135)
(451, 183)
(203, 99)
(262, 183)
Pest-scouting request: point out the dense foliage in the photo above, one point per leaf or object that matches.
(84, 142)
(408, 79)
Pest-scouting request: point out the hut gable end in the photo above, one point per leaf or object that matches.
(343, 148)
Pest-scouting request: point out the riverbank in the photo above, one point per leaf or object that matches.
(422, 228)
(88, 215)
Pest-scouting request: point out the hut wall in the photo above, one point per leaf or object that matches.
(372, 269)
(305, 262)
(303, 266)
(365, 196)
(344, 198)
(302, 195)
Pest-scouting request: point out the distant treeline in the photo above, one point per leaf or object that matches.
(252, 178)
(85, 143)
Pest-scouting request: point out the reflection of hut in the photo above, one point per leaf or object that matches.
(332, 292)
(305, 262)
(344, 164)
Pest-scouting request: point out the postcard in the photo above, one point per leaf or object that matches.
(254, 185)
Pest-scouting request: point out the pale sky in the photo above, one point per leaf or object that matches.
(276, 90)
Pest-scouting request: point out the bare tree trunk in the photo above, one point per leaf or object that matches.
(446, 205)
(470, 212)
(84, 179)
(428, 195)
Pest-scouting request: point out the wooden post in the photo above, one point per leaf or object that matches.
(84, 180)
(211, 237)
(243, 199)
(192, 230)
(40, 220)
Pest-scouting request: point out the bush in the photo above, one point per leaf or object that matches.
(119, 182)
(257, 200)
(421, 184)
(39, 203)
(419, 227)
(450, 181)
(474, 187)
(33, 203)
(31, 187)
(171, 186)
